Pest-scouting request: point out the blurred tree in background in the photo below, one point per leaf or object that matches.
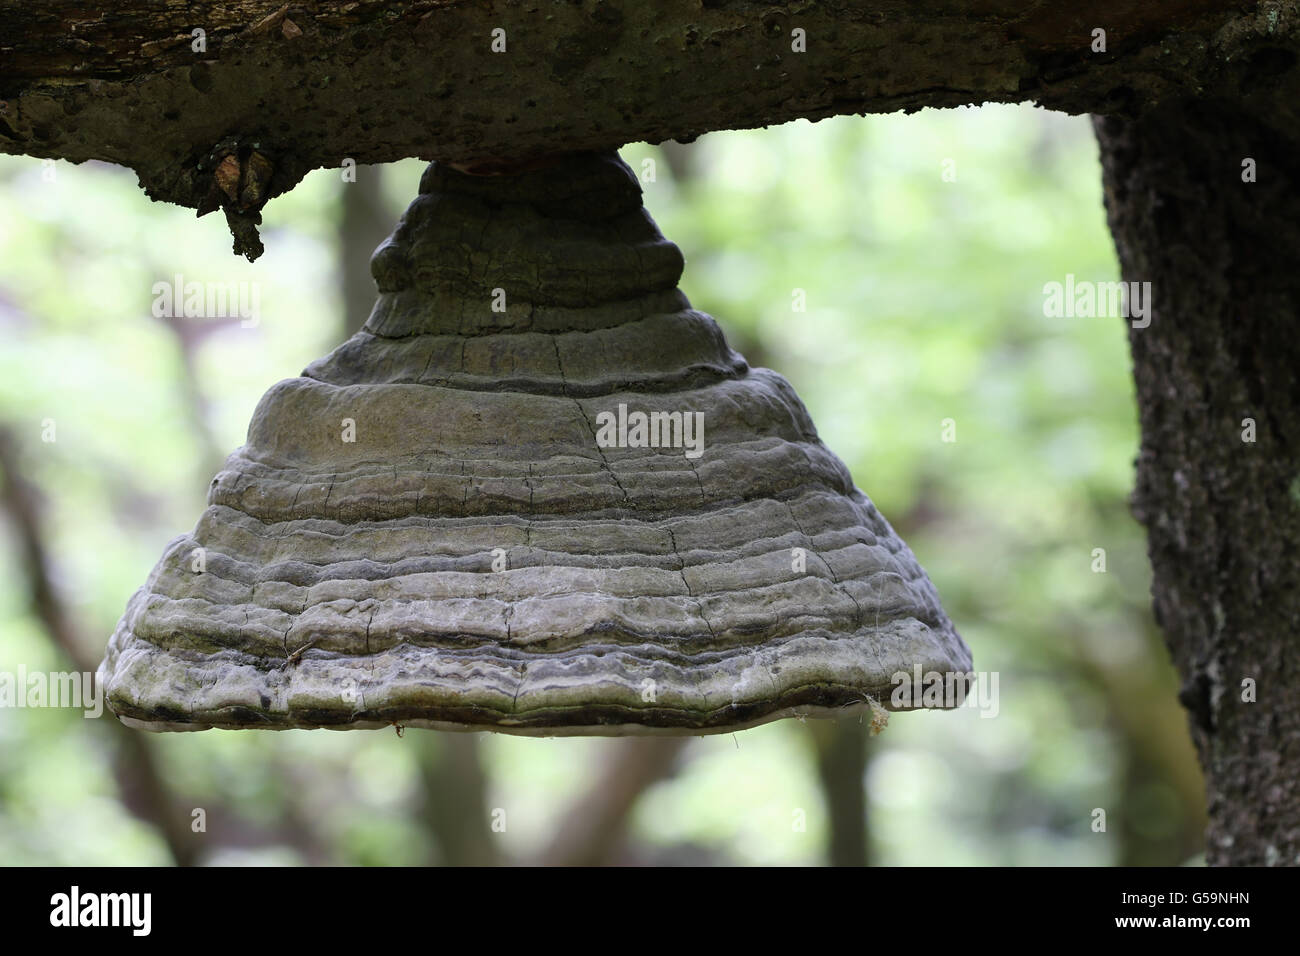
(918, 247)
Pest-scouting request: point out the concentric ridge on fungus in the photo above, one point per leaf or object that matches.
(351, 584)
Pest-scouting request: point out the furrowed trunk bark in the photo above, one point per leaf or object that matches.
(1218, 480)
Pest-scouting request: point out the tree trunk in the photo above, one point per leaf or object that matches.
(1218, 480)
(456, 799)
(842, 747)
(365, 221)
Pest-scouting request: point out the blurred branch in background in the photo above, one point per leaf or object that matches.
(681, 159)
(189, 336)
(455, 798)
(144, 790)
(1162, 809)
(364, 222)
(594, 830)
(137, 768)
(842, 753)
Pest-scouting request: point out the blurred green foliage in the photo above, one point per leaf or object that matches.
(923, 303)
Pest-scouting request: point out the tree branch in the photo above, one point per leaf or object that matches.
(306, 86)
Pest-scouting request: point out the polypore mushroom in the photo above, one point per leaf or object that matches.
(537, 493)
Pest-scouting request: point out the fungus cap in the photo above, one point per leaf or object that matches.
(537, 493)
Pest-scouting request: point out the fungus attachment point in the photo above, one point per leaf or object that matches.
(538, 494)
(240, 184)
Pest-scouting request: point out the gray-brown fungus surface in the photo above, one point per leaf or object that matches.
(456, 521)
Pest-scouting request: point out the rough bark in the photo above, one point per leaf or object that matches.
(1222, 512)
(308, 85)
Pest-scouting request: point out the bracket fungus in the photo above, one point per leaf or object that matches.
(537, 493)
